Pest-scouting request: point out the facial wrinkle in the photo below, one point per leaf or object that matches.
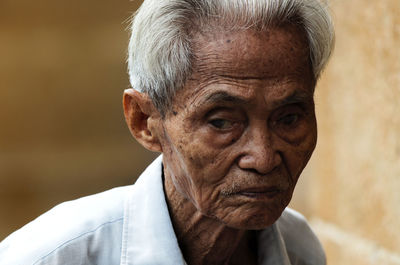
(216, 86)
(208, 154)
(211, 64)
(295, 97)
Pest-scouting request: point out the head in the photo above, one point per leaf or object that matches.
(224, 89)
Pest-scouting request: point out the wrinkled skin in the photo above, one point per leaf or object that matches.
(243, 128)
(235, 140)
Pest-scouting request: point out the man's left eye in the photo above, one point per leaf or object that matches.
(289, 119)
(221, 124)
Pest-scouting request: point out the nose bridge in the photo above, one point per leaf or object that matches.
(261, 140)
(259, 153)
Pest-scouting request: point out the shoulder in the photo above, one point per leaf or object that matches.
(301, 243)
(72, 231)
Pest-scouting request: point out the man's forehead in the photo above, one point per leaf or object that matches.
(237, 67)
(251, 54)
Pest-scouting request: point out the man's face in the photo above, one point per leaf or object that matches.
(243, 128)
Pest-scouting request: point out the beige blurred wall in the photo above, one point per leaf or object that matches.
(351, 188)
(62, 133)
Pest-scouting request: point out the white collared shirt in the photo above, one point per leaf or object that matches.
(131, 226)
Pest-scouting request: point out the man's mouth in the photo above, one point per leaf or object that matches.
(260, 192)
(256, 192)
(269, 194)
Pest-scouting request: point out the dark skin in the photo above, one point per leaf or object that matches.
(235, 140)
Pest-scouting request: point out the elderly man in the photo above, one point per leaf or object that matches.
(224, 90)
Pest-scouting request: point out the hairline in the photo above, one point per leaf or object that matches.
(224, 23)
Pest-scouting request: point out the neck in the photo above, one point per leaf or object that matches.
(204, 240)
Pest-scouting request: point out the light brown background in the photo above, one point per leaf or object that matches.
(62, 134)
(352, 192)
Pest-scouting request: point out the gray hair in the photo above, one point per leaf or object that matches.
(160, 52)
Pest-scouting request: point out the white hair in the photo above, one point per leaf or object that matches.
(160, 52)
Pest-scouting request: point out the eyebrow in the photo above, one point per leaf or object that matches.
(222, 96)
(296, 97)
(225, 97)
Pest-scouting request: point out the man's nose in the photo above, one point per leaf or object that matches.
(259, 153)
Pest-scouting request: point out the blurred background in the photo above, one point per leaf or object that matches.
(62, 132)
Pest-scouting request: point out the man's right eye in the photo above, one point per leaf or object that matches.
(289, 119)
(221, 124)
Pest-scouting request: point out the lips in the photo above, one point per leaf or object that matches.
(260, 192)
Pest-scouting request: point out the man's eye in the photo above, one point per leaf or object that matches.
(221, 124)
(289, 119)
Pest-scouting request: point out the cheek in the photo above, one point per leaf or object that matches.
(194, 171)
(297, 155)
(202, 158)
(222, 140)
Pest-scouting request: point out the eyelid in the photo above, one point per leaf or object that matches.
(226, 113)
(218, 109)
(292, 108)
(231, 124)
(234, 118)
(283, 112)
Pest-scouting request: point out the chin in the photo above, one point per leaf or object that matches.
(256, 221)
(260, 216)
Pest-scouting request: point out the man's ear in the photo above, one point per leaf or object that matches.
(138, 111)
